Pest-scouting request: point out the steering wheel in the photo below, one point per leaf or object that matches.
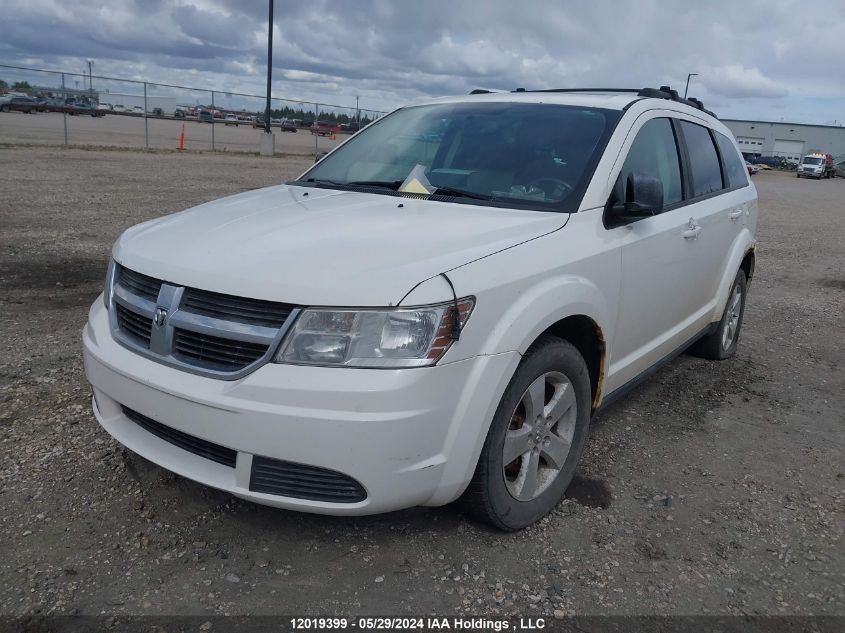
(559, 189)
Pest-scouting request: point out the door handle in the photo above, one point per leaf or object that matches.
(692, 231)
(734, 215)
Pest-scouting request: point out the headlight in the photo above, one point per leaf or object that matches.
(109, 283)
(381, 338)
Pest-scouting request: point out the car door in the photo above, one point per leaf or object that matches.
(739, 202)
(719, 199)
(663, 257)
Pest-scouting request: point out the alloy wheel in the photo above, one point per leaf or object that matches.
(732, 321)
(539, 437)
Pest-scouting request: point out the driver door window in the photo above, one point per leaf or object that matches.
(654, 152)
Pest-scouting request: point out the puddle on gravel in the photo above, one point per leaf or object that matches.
(594, 493)
(54, 272)
(839, 284)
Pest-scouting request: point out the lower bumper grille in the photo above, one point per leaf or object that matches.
(195, 445)
(289, 479)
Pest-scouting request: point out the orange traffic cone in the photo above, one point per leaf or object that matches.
(182, 139)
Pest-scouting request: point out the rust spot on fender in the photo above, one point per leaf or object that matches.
(600, 377)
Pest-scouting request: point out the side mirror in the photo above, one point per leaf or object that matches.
(643, 198)
(320, 157)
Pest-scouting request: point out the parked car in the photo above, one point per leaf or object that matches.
(104, 107)
(179, 113)
(324, 128)
(205, 116)
(473, 302)
(752, 169)
(158, 112)
(79, 108)
(287, 125)
(232, 119)
(117, 107)
(778, 162)
(21, 104)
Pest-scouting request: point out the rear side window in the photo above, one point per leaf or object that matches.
(735, 170)
(654, 152)
(705, 172)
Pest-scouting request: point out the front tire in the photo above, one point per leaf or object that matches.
(722, 343)
(535, 440)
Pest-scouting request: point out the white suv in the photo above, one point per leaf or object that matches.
(434, 310)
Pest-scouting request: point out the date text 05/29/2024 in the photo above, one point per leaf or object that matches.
(417, 624)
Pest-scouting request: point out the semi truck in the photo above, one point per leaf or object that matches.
(816, 165)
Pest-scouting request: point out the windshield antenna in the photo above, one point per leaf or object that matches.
(456, 318)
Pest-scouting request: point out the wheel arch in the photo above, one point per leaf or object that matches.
(748, 263)
(589, 339)
(741, 256)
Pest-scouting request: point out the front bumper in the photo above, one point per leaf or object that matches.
(408, 436)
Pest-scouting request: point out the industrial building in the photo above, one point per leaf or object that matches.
(786, 140)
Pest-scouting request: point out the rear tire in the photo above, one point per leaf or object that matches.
(722, 343)
(541, 427)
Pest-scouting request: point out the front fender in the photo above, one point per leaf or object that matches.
(511, 317)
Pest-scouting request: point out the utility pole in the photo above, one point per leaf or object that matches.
(357, 113)
(686, 90)
(269, 67)
(90, 63)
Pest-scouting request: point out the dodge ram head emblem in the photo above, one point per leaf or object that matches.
(160, 316)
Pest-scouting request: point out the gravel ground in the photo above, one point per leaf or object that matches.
(715, 488)
(115, 130)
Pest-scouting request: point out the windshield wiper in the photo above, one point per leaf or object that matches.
(383, 184)
(460, 193)
(393, 185)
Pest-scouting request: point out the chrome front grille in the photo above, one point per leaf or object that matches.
(139, 284)
(203, 332)
(222, 353)
(134, 325)
(250, 311)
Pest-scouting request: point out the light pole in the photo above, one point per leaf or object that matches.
(90, 63)
(686, 90)
(269, 67)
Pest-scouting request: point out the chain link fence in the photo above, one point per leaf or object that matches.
(51, 107)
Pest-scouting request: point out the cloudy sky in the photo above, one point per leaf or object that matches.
(766, 59)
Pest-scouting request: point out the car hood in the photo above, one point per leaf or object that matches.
(312, 246)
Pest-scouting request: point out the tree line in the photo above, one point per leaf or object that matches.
(18, 86)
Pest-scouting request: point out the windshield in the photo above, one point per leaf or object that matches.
(523, 154)
(812, 161)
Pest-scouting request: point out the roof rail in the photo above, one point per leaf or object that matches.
(579, 90)
(664, 92)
